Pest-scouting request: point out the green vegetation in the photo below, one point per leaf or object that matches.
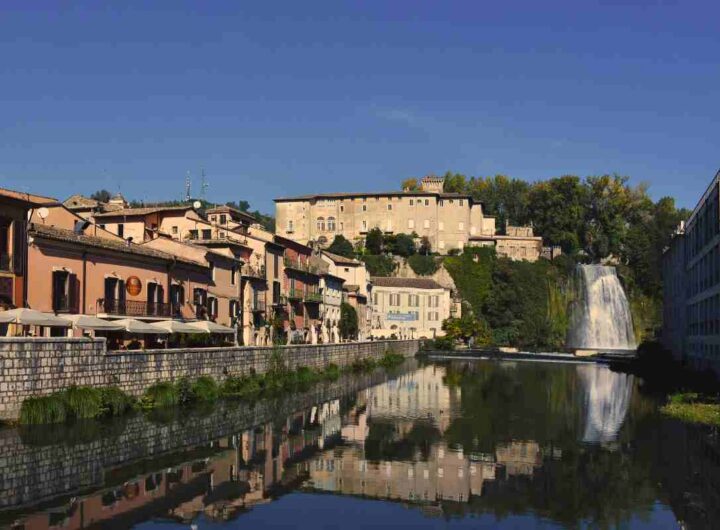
(379, 265)
(423, 265)
(693, 408)
(342, 247)
(74, 403)
(348, 326)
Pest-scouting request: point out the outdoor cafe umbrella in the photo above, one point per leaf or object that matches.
(94, 323)
(211, 327)
(143, 328)
(31, 317)
(175, 326)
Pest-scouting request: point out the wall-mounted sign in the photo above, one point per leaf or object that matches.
(133, 286)
(402, 317)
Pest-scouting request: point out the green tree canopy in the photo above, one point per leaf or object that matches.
(348, 326)
(342, 247)
(374, 241)
(101, 195)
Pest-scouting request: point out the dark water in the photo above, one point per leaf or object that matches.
(464, 445)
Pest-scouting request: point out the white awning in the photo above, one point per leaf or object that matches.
(94, 323)
(30, 317)
(143, 328)
(175, 326)
(211, 327)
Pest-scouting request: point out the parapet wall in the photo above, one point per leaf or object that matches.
(40, 366)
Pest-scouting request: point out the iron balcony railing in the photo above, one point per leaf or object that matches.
(134, 308)
(295, 294)
(253, 272)
(6, 262)
(313, 296)
(257, 304)
(299, 265)
(65, 304)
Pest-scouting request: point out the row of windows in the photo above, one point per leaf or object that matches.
(705, 273)
(703, 317)
(420, 202)
(705, 226)
(413, 300)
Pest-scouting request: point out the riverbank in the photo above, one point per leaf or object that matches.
(37, 367)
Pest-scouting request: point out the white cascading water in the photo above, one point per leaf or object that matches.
(607, 399)
(600, 318)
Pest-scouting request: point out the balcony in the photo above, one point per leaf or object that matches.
(313, 296)
(133, 308)
(6, 262)
(295, 294)
(248, 271)
(299, 265)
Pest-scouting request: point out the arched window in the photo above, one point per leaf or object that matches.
(321, 224)
(331, 224)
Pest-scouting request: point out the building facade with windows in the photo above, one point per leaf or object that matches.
(448, 220)
(408, 308)
(691, 280)
(518, 243)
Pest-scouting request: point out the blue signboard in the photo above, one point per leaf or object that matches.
(403, 317)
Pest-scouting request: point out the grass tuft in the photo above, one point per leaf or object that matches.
(205, 389)
(693, 408)
(161, 395)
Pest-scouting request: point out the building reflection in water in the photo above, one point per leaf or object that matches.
(390, 441)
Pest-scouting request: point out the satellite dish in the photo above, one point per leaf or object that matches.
(197, 205)
(43, 213)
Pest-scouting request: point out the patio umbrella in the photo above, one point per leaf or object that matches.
(175, 326)
(94, 323)
(30, 317)
(211, 327)
(142, 328)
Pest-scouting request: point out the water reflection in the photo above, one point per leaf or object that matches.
(577, 445)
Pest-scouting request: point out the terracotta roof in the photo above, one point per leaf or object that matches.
(230, 210)
(116, 245)
(131, 212)
(35, 200)
(347, 195)
(342, 260)
(415, 283)
(80, 201)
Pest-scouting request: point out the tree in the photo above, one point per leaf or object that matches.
(348, 326)
(454, 182)
(101, 196)
(466, 328)
(374, 241)
(557, 210)
(243, 206)
(425, 246)
(404, 245)
(410, 184)
(342, 247)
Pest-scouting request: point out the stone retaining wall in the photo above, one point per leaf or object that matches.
(39, 366)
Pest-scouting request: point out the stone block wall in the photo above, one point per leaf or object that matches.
(40, 366)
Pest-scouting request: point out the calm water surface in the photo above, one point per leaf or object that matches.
(480, 444)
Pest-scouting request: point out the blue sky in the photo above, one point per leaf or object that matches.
(281, 98)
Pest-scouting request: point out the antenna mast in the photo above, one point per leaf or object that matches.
(203, 185)
(187, 187)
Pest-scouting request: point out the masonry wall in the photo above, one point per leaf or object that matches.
(40, 366)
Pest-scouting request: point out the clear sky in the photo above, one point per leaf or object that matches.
(281, 98)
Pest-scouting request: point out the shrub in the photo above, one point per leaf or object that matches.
(205, 389)
(82, 402)
(331, 372)
(184, 390)
(161, 395)
(379, 265)
(114, 401)
(43, 409)
(391, 359)
(443, 344)
(423, 265)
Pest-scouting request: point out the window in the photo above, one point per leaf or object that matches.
(177, 296)
(331, 224)
(320, 223)
(233, 275)
(441, 244)
(413, 300)
(223, 219)
(461, 202)
(212, 271)
(426, 223)
(375, 298)
(412, 202)
(395, 299)
(389, 206)
(276, 265)
(411, 223)
(364, 208)
(174, 230)
(441, 226)
(65, 292)
(342, 208)
(433, 301)
(212, 307)
(461, 226)
(433, 316)
(290, 226)
(212, 218)
(364, 225)
(121, 230)
(234, 311)
(193, 234)
(342, 225)
(207, 234)
(221, 234)
(441, 203)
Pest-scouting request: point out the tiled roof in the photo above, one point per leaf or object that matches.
(341, 260)
(347, 195)
(36, 200)
(116, 245)
(80, 201)
(414, 283)
(230, 210)
(130, 212)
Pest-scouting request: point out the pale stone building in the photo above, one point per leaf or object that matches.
(448, 220)
(409, 308)
(518, 243)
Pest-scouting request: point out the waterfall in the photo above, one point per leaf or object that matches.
(607, 399)
(600, 317)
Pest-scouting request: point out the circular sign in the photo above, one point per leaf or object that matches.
(133, 286)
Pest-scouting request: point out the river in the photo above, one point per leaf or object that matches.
(461, 444)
